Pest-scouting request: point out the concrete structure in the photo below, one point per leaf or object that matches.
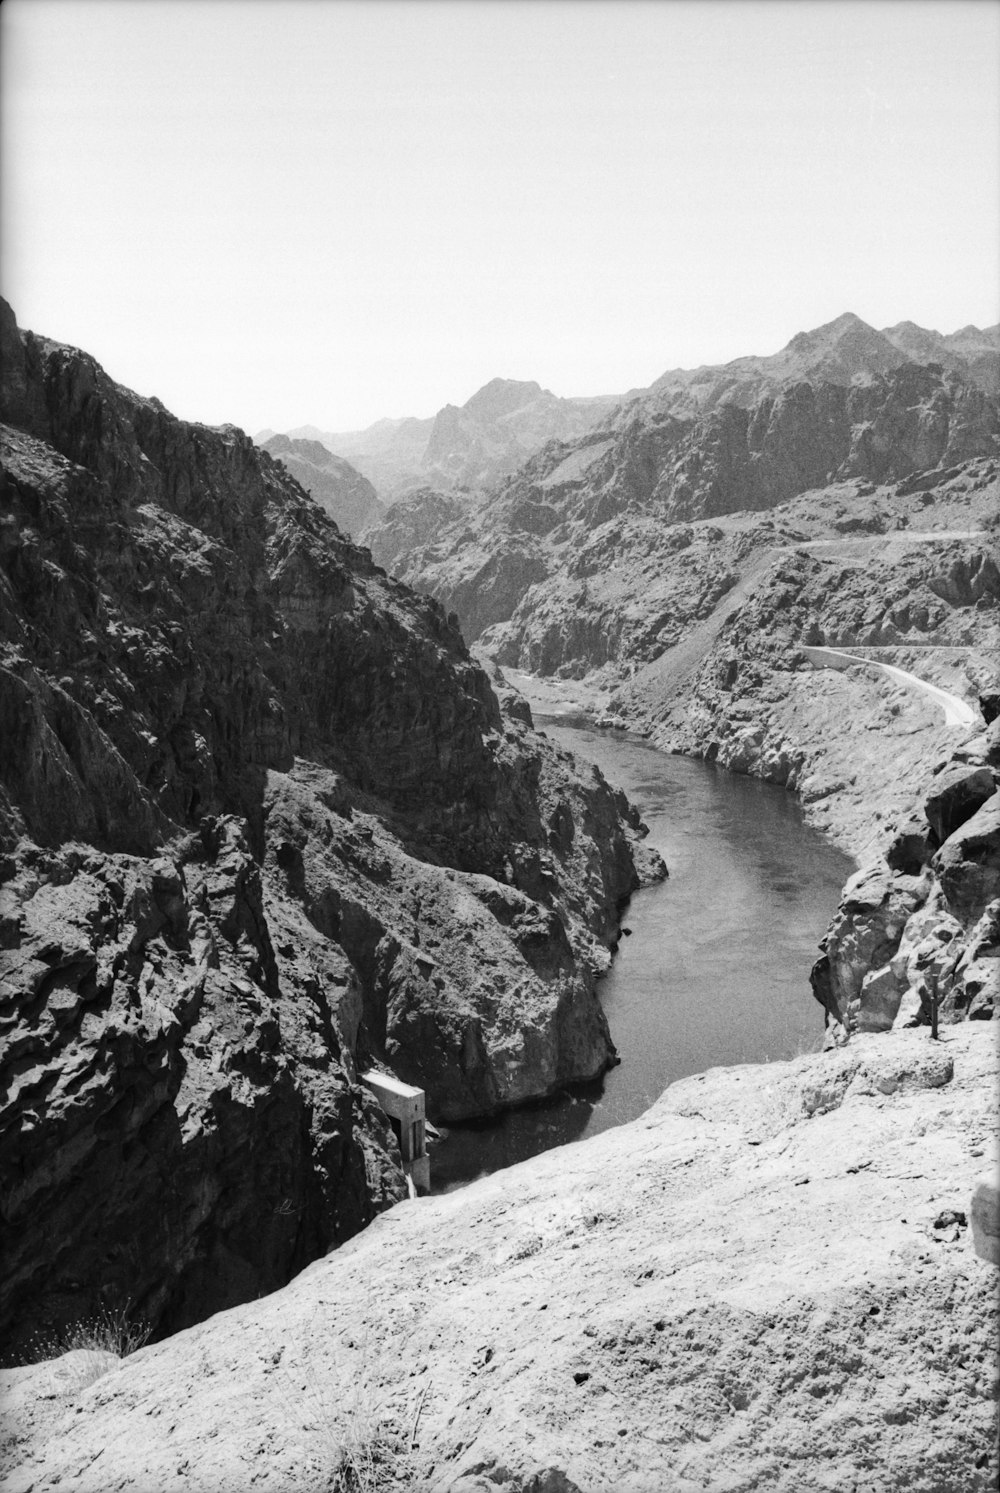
(406, 1110)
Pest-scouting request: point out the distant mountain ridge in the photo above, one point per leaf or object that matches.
(841, 402)
(843, 351)
(473, 445)
(479, 443)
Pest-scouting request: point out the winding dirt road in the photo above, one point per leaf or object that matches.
(956, 711)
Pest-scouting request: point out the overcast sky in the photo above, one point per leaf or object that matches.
(280, 212)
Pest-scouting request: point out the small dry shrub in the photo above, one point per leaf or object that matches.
(109, 1331)
(363, 1432)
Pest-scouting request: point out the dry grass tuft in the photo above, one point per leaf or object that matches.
(107, 1331)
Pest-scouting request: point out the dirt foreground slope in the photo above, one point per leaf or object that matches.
(766, 1282)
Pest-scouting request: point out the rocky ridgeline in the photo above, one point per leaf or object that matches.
(846, 404)
(467, 447)
(263, 821)
(349, 499)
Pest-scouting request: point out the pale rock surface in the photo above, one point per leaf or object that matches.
(986, 1214)
(766, 1282)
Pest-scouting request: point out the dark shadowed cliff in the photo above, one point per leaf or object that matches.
(262, 821)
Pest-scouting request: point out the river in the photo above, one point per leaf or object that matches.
(716, 969)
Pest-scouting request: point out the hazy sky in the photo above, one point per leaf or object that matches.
(323, 211)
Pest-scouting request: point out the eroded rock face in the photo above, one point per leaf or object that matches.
(261, 818)
(349, 499)
(903, 947)
(184, 1132)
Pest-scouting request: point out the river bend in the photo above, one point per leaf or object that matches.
(716, 968)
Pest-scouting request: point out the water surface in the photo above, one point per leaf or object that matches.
(716, 970)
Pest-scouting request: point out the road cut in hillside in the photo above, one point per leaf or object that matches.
(957, 712)
(766, 1282)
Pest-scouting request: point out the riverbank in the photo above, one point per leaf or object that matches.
(767, 1282)
(698, 638)
(751, 891)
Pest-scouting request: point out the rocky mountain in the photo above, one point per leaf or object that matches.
(263, 823)
(845, 351)
(467, 447)
(349, 499)
(388, 453)
(721, 458)
(971, 351)
(691, 565)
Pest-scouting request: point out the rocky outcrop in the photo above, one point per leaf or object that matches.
(412, 522)
(909, 948)
(349, 499)
(769, 1281)
(262, 820)
(182, 1130)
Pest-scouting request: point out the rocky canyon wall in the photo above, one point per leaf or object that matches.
(263, 821)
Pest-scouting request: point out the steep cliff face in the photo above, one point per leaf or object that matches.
(412, 522)
(262, 821)
(916, 938)
(349, 499)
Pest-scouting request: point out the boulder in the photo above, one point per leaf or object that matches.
(958, 792)
(875, 906)
(968, 863)
(910, 848)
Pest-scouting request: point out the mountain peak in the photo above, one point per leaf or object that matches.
(831, 333)
(501, 396)
(848, 321)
